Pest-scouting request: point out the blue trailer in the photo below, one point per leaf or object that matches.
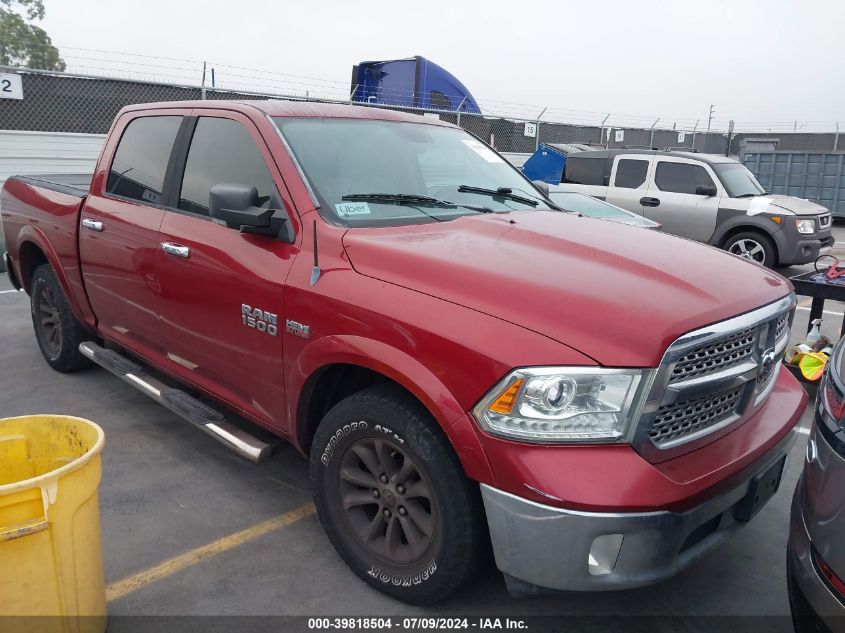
(548, 162)
(414, 82)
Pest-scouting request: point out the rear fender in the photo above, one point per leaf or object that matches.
(33, 235)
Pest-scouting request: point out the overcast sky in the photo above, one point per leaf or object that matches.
(765, 61)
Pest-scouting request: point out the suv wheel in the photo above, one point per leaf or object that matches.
(393, 497)
(56, 329)
(754, 246)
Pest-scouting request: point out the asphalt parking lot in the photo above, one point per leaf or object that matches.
(189, 528)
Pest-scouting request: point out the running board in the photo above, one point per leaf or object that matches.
(182, 404)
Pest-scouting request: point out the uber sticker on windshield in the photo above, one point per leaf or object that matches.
(485, 152)
(346, 209)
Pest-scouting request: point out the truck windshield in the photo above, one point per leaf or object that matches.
(737, 180)
(366, 172)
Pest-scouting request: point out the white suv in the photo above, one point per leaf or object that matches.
(712, 199)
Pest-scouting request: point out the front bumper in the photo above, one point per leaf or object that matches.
(794, 248)
(543, 547)
(809, 595)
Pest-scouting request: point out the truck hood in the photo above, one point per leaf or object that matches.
(619, 294)
(774, 203)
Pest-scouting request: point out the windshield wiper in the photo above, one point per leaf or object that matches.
(501, 192)
(544, 199)
(411, 199)
(748, 195)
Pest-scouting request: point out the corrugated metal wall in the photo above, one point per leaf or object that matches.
(47, 152)
(817, 177)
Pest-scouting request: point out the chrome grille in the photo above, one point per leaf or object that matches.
(682, 418)
(712, 378)
(723, 353)
(782, 326)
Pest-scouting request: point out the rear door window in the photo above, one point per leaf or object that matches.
(630, 173)
(140, 161)
(222, 151)
(681, 177)
(584, 171)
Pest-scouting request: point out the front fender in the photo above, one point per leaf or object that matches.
(403, 369)
(383, 359)
(729, 220)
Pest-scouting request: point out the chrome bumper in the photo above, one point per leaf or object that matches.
(542, 547)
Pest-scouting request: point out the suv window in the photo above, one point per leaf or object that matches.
(630, 173)
(584, 171)
(681, 177)
(222, 151)
(140, 162)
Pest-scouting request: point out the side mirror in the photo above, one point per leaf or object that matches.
(542, 186)
(705, 190)
(237, 206)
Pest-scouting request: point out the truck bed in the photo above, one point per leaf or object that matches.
(71, 184)
(41, 211)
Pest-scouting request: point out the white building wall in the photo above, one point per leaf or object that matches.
(23, 152)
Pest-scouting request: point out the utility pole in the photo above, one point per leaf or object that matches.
(730, 136)
(202, 94)
(710, 118)
(601, 129)
(537, 138)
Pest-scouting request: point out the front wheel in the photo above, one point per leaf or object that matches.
(393, 497)
(754, 246)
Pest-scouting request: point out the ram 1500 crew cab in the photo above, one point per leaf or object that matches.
(456, 357)
(708, 198)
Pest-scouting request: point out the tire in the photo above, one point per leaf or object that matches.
(56, 329)
(388, 429)
(754, 246)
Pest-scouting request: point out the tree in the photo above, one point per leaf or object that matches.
(22, 43)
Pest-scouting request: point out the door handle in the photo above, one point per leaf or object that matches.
(174, 249)
(94, 225)
(650, 202)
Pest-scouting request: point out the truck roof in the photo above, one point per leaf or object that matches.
(704, 158)
(295, 109)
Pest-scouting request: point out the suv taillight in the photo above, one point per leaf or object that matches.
(833, 581)
(833, 400)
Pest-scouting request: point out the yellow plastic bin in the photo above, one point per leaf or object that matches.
(50, 554)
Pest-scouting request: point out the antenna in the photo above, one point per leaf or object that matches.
(315, 271)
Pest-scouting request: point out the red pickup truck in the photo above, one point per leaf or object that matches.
(464, 363)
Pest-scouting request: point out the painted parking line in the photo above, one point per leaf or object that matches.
(6, 292)
(121, 588)
(823, 311)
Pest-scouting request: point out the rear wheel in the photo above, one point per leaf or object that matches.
(393, 497)
(56, 329)
(754, 246)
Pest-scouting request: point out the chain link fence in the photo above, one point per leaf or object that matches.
(66, 102)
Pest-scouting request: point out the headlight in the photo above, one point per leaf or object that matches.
(805, 226)
(562, 404)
